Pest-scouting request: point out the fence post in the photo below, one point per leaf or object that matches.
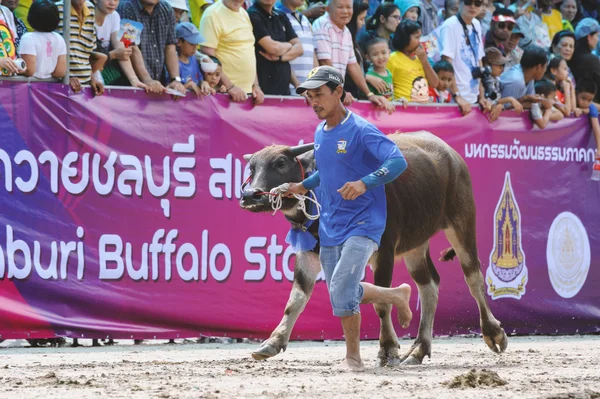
(67, 36)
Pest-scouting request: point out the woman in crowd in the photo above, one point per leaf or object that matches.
(584, 64)
(568, 10)
(563, 45)
(118, 70)
(381, 24)
(412, 74)
(359, 14)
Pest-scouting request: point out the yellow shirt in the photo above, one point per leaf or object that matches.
(553, 21)
(408, 78)
(196, 10)
(230, 34)
(22, 11)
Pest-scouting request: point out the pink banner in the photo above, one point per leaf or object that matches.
(121, 218)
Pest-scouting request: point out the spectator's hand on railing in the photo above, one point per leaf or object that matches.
(175, 85)
(546, 103)
(349, 99)
(135, 82)
(257, 94)
(206, 89)
(378, 84)
(154, 86)
(121, 54)
(518, 107)
(381, 102)
(494, 113)
(315, 10)
(237, 95)
(194, 87)
(9, 65)
(578, 112)
(97, 86)
(75, 85)
(463, 105)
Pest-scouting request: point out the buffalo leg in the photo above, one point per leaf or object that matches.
(383, 267)
(306, 269)
(464, 244)
(421, 269)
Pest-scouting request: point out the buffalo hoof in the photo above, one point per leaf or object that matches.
(497, 343)
(411, 361)
(388, 362)
(266, 351)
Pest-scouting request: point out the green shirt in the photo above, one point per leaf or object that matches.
(388, 81)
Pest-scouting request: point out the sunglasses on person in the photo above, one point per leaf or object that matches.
(505, 25)
(476, 3)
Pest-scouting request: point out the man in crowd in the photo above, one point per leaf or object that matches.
(519, 81)
(501, 28)
(462, 46)
(276, 45)
(334, 47)
(228, 36)
(157, 43)
(429, 17)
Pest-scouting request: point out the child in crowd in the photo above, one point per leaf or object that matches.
(44, 51)
(495, 61)
(212, 75)
(378, 53)
(558, 73)
(544, 112)
(441, 94)
(188, 39)
(586, 92)
(409, 9)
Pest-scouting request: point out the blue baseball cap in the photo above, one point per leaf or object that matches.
(586, 26)
(188, 32)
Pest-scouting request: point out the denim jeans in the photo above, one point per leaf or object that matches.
(343, 266)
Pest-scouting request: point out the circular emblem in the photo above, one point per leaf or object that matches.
(568, 254)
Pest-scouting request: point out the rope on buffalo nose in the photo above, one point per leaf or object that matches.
(276, 201)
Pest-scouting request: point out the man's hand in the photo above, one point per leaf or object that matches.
(121, 54)
(97, 87)
(495, 112)
(295, 188)
(349, 99)
(378, 84)
(75, 85)
(382, 102)
(237, 95)
(154, 86)
(315, 11)
(258, 95)
(463, 105)
(175, 85)
(9, 65)
(516, 105)
(135, 82)
(352, 190)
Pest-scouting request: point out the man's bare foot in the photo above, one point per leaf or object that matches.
(403, 305)
(350, 364)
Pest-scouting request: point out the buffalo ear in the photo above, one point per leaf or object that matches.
(247, 157)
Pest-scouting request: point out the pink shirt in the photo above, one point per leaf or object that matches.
(333, 43)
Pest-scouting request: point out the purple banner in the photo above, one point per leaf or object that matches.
(121, 218)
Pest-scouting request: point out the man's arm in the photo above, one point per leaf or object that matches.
(172, 63)
(465, 107)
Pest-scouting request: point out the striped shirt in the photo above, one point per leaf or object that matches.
(82, 41)
(303, 64)
(333, 43)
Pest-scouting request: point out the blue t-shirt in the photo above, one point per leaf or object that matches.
(512, 83)
(190, 71)
(348, 152)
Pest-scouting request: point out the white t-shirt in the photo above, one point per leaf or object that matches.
(111, 24)
(47, 47)
(454, 45)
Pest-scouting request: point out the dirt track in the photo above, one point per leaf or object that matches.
(532, 367)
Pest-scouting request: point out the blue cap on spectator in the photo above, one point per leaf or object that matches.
(188, 32)
(586, 26)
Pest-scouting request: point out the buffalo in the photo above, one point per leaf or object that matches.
(433, 194)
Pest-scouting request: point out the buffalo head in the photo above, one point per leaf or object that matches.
(272, 167)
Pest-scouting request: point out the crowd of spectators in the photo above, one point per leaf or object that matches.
(519, 54)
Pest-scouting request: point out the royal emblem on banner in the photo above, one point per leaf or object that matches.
(568, 254)
(506, 275)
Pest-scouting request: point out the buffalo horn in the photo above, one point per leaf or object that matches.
(301, 149)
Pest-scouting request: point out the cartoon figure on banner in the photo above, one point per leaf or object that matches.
(568, 254)
(506, 275)
(7, 45)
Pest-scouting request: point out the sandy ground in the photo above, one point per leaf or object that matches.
(532, 367)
